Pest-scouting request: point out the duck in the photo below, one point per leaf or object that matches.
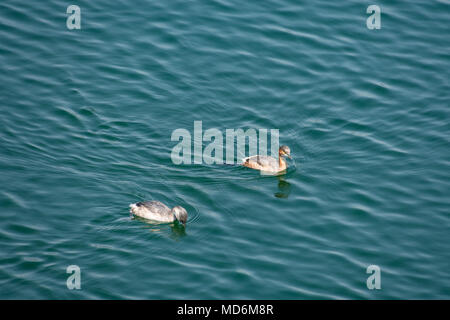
(268, 163)
(158, 211)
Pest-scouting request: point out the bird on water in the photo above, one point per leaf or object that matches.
(158, 211)
(268, 163)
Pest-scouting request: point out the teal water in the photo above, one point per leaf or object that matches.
(87, 117)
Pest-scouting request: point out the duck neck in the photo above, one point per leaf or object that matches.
(174, 215)
(281, 162)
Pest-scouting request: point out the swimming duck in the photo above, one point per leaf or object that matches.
(158, 211)
(268, 163)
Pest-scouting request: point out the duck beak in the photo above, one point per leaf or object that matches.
(289, 156)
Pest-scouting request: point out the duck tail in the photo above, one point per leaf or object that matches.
(133, 207)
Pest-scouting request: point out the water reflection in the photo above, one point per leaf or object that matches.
(284, 188)
(178, 231)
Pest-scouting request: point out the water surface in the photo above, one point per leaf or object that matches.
(87, 117)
